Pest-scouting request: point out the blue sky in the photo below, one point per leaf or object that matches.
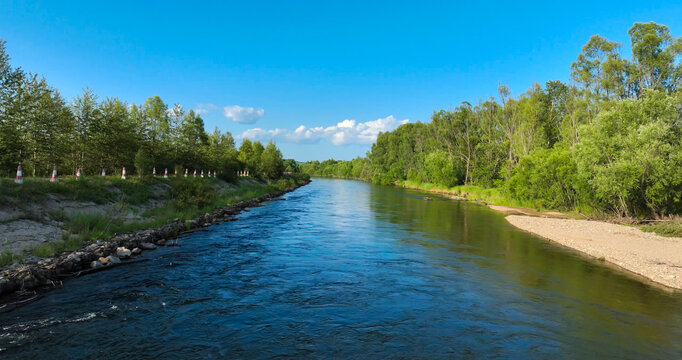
(337, 71)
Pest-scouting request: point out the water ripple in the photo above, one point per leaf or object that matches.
(344, 269)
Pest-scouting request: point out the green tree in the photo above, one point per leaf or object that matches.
(441, 169)
(631, 155)
(654, 51)
(143, 162)
(85, 109)
(273, 163)
(245, 153)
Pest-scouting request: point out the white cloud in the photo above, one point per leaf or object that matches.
(205, 108)
(244, 115)
(345, 132)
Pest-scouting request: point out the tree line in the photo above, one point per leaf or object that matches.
(39, 130)
(609, 140)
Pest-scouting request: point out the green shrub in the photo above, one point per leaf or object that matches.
(192, 192)
(673, 229)
(547, 177)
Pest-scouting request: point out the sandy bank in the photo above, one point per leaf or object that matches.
(655, 257)
(524, 211)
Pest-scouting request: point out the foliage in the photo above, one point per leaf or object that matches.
(631, 156)
(672, 229)
(143, 161)
(548, 176)
(610, 143)
(40, 130)
(188, 193)
(272, 162)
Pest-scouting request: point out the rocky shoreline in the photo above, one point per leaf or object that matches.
(21, 283)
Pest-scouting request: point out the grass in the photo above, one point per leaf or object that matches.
(496, 196)
(671, 229)
(8, 258)
(493, 196)
(93, 188)
(190, 198)
(68, 243)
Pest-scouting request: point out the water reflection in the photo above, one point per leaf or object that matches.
(344, 269)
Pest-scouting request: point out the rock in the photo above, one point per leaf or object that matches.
(74, 258)
(27, 280)
(47, 263)
(96, 264)
(103, 260)
(91, 248)
(113, 259)
(136, 251)
(161, 242)
(30, 260)
(4, 286)
(147, 246)
(123, 253)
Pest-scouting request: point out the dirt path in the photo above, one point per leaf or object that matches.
(655, 257)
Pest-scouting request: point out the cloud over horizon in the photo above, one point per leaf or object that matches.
(344, 132)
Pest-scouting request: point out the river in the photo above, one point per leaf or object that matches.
(345, 269)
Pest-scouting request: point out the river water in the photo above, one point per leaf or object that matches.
(345, 269)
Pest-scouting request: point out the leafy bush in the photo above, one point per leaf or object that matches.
(547, 176)
(143, 162)
(441, 168)
(631, 156)
(191, 192)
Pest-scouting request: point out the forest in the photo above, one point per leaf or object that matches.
(608, 141)
(40, 130)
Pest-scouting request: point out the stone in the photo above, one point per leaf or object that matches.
(123, 253)
(74, 258)
(4, 286)
(28, 280)
(147, 246)
(103, 260)
(113, 259)
(161, 242)
(96, 264)
(91, 248)
(136, 251)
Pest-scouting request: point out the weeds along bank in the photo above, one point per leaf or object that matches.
(40, 218)
(93, 242)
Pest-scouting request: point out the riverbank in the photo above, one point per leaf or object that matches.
(649, 255)
(22, 281)
(652, 256)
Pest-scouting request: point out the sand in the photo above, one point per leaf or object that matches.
(652, 256)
